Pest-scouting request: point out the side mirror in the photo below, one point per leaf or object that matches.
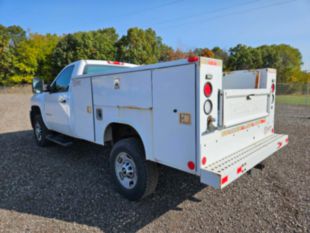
(37, 85)
(47, 87)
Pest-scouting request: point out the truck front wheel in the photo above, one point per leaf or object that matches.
(40, 131)
(133, 176)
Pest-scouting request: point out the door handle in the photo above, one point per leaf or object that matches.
(62, 100)
(248, 97)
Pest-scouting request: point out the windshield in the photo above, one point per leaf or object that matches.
(94, 69)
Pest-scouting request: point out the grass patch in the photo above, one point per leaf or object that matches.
(293, 99)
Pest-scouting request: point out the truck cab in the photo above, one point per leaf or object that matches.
(55, 103)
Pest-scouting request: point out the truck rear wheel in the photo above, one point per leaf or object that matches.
(40, 131)
(133, 176)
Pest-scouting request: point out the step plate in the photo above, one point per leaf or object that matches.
(224, 171)
(60, 140)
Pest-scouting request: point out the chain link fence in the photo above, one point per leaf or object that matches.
(292, 100)
(293, 94)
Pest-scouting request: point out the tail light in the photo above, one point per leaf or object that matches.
(207, 90)
(193, 59)
(273, 87)
(116, 62)
(207, 107)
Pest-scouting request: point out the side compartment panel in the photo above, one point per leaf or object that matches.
(124, 98)
(131, 90)
(140, 120)
(173, 101)
(82, 123)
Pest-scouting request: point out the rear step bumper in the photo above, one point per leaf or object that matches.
(224, 171)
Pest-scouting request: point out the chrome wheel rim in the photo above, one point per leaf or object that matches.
(125, 169)
(38, 131)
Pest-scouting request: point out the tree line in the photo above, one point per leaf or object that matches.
(25, 55)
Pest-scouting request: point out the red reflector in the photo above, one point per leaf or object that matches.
(191, 165)
(193, 59)
(239, 170)
(262, 121)
(204, 160)
(272, 130)
(115, 62)
(212, 62)
(279, 144)
(224, 180)
(272, 87)
(207, 89)
(286, 140)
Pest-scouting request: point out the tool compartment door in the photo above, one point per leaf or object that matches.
(174, 116)
(241, 105)
(82, 122)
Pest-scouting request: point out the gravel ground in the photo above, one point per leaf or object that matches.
(59, 189)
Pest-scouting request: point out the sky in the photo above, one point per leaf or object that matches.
(183, 24)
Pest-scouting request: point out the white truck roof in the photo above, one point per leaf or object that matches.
(111, 63)
(133, 67)
(81, 64)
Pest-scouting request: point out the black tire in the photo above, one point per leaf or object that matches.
(146, 171)
(40, 140)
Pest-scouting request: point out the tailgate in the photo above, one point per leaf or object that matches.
(244, 105)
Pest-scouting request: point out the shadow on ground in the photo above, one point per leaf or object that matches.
(73, 184)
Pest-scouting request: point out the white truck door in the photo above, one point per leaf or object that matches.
(57, 102)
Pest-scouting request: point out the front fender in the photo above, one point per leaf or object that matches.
(38, 100)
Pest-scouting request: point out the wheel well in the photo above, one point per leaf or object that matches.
(117, 131)
(35, 110)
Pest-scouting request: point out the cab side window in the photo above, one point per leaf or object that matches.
(61, 84)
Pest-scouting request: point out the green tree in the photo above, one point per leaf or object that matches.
(221, 54)
(286, 59)
(204, 52)
(141, 47)
(23, 55)
(171, 55)
(5, 55)
(165, 52)
(98, 44)
(244, 57)
(16, 35)
(34, 57)
(46, 44)
(9, 39)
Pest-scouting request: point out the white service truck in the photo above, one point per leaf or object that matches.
(186, 114)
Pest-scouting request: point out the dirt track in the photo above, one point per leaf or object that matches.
(59, 189)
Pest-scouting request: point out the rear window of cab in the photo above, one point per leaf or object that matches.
(94, 69)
